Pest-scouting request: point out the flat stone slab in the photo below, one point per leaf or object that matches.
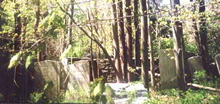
(123, 93)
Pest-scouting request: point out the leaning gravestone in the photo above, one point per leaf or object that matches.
(63, 76)
(78, 74)
(48, 71)
(217, 60)
(195, 64)
(77, 78)
(167, 69)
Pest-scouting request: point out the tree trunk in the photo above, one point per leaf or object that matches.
(70, 23)
(178, 51)
(37, 12)
(37, 21)
(152, 66)
(123, 48)
(119, 75)
(137, 35)
(144, 44)
(203, 47)
(129, 39)
(18, 26)
(93, 39)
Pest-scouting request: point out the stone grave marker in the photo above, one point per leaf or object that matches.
(46, 71)
(167, 69)
(78, 78)
(64, 77)
(78, 73)
(195, 64)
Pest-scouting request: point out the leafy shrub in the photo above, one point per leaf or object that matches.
(166, 43)
(76, 96)
(199, 76)
(191, 48)
(39, 96)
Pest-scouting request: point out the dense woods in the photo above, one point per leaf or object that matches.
(128, 33)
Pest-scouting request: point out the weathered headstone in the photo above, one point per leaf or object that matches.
(167, 69)
(217, 60)
(195, 64)
(78, 73)
(49, 71)
(78, 78)
(64, 77)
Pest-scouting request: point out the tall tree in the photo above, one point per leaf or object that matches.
(123, 48)
(203, 47)
(18, 26)
(119, 75)
(178, 49)
(151, 52)
(70, 22)
(36, 25)
(129, 38)
(137, 36)
(144, 44)
(37, 21)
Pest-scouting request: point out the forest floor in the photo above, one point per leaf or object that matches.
(190, 96)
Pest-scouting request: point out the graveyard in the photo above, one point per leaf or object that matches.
(110, 51)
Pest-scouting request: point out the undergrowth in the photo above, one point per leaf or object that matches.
(191, 95)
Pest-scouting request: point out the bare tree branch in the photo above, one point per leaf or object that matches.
(90, 37)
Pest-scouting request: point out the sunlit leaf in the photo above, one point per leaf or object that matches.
(65, 53)
(98, 89)
(15, 60)
(28, 61)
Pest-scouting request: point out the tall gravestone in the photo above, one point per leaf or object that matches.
(167, 69)
(49, 71)
(78, 74)
(217, 60)
(78, 78)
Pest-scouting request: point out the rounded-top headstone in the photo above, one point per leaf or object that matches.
(195, 64)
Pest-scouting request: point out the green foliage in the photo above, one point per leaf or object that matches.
(39, 97)
(190, 47)
(200, 97)
(15, 60)
(76, 96)
(166, 43)
(36, 97)
(98, 93)
(109, 93)
(97, 90)
(130, 69)
(66, 52)
(29, 60)
(199, 76)
(190, 96)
